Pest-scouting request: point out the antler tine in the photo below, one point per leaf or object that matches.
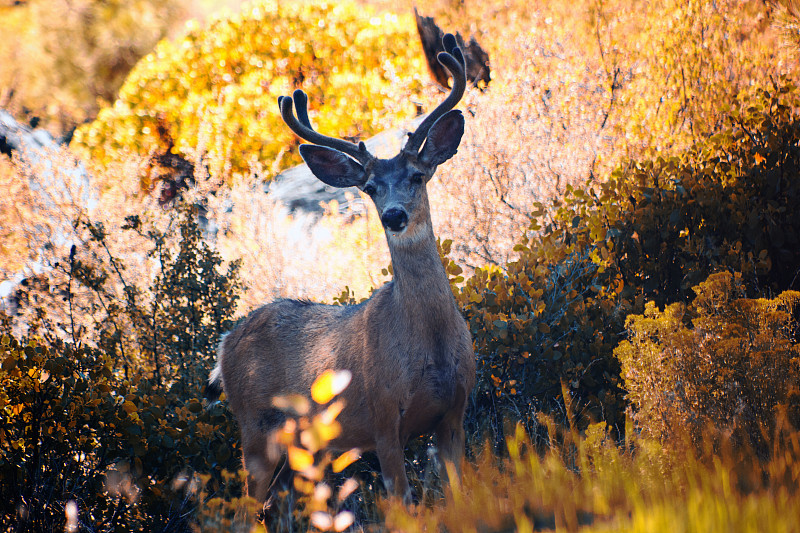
(301, 106)
(453, 60)
(301, 125)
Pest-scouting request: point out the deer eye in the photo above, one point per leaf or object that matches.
(417, 177)
(369, 189)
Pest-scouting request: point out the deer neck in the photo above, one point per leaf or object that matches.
(421, 286)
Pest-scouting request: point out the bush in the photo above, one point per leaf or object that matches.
(116, 422)
(63, 427)
(191, 304)
(651, 232)
(214, 91)
(734, 367)
(75, 429)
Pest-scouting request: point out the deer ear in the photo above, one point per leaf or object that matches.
(443, 139)
(332, 167)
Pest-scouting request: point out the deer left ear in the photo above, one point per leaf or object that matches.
(443, 139)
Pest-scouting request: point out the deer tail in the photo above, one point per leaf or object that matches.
(213, 388)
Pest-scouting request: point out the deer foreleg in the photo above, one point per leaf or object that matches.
(392, 460)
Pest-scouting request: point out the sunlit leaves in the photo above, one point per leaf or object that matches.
(215, 89)
(309, 460)
(345, 460)
(299, 458)
(733, 364)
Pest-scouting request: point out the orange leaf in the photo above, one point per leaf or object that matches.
(329, 384)
(346, 459)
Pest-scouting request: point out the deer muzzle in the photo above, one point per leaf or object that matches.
(394, 219)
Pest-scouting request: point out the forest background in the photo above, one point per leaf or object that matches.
(619, 225)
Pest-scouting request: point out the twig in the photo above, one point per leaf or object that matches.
(69, 294)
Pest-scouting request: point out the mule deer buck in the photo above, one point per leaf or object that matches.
(408, 348)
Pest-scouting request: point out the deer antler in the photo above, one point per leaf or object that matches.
(301, 125)
(453, 60)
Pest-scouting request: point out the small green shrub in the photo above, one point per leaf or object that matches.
(734, 367)
(180, 319)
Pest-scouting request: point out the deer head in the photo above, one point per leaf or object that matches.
(396, 185)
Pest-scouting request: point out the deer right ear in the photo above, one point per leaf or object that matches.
(332, 167)
(443, 139)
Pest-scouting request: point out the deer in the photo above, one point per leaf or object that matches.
(408, 348)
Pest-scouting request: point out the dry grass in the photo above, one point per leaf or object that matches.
(590, 483)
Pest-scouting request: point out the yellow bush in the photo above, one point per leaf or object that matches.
(735, 367)
(214, 91)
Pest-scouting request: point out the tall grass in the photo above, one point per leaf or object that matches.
(592, 483)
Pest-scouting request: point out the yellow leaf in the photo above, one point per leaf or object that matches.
(303, 485)
(330, 431)
(311, 440)
(329, 384)
(129, 407)
(329, 415)
(299, 459)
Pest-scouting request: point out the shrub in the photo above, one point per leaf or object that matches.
(734, 367)
(63, 426)
(651, 232)
(190, 305)
(116, 422)
(214, 91)
(578, 88)
(63, 59)
(75, 429)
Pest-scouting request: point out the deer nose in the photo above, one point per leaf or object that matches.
(394, 219)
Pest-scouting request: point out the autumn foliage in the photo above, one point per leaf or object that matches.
(735, 365)
(619, 226)
(213, 92)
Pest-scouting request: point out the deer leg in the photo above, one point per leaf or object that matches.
(260, 462)
(393, 470)
(450, 436)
